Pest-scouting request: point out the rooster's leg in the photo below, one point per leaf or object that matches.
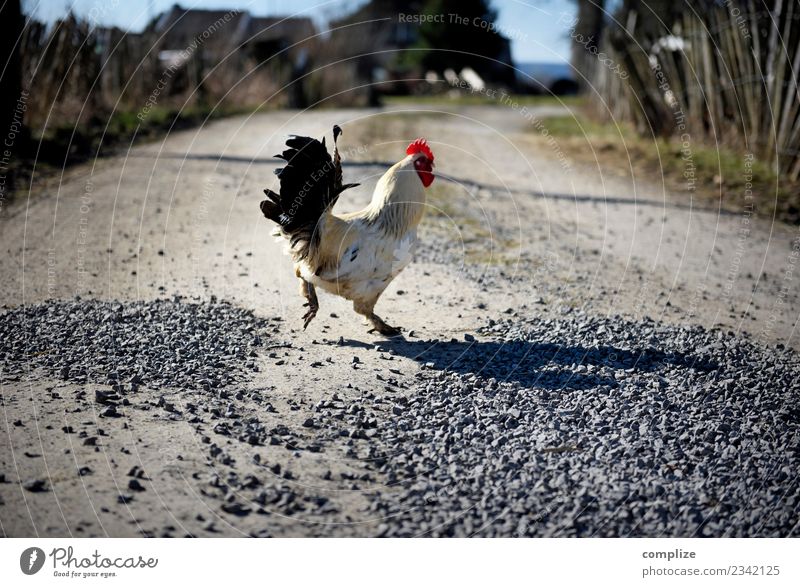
(309, 293)
(366, 310)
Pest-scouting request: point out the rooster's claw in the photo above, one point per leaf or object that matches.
(309, 316)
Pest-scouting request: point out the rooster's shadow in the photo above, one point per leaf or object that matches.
(538, 365)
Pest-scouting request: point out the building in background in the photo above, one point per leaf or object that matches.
(195, 42)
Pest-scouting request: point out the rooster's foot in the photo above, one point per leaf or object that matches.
(382, 327)
(308, 291)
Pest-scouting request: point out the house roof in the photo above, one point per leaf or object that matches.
(225, 29)
(179, 26)
(271, 28)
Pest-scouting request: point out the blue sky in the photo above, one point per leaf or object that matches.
(538, 29)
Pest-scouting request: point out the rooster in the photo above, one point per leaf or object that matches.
(353, 255)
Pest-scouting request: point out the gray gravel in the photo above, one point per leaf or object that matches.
(575, 426)
(161, 343)
(585, 426)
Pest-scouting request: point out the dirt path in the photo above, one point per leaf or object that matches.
(514, 228)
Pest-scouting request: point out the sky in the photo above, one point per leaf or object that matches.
(538, 29)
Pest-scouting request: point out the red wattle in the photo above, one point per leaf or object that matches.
(426, 177)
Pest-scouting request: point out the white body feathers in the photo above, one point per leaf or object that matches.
(360, 253)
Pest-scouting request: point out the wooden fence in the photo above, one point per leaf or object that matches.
(78, 75)
(726, 73)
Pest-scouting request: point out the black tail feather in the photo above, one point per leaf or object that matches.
(271, 208)
(272, 196)
(311, 182)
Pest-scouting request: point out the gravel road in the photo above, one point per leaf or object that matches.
(585, 354)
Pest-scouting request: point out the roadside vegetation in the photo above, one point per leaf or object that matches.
(716, 85)
(465, 98)
(711, 174)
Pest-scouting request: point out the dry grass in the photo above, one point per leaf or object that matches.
(720, 174)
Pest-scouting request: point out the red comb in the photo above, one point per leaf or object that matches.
(420, 146)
